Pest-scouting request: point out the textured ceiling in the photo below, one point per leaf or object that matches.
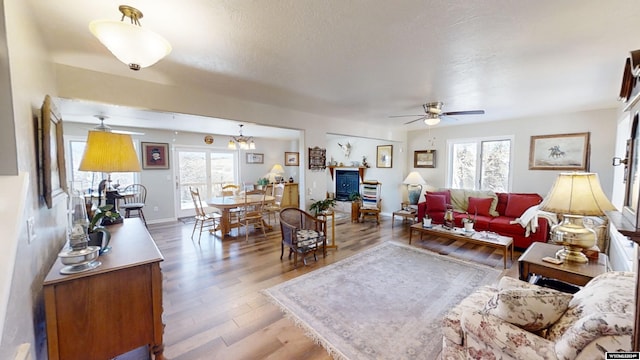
(359, 59)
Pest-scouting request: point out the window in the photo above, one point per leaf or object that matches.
(480, 164)
(84, 180)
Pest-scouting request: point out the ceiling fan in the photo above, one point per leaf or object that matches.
(433, 113)
(103, 127)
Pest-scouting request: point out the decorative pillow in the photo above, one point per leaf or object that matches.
(518, 203)
(530, 309)
(436, 202)
(480, 206)
(445, 193)
(483, 194)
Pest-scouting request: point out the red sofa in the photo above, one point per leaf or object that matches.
(509, 206)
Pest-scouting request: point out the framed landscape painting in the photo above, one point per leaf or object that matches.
(559, 152)
(424, 159)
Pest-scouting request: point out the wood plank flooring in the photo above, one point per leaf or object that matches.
(213, 308)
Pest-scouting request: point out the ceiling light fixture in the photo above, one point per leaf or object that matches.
(244, 142)
(432, 119)
(130, 43)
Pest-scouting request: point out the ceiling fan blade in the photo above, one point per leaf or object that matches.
(468, 112)
(397, 116)
(412, 121)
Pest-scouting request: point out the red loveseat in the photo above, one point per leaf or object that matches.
(489, 217)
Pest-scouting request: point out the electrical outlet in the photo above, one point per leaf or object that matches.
(155, 208)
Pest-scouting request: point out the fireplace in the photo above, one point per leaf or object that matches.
(347, 182)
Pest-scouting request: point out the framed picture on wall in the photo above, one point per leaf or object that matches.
(317, 158)
(155, 156)
(424, 159)
(384, 156)
(559, 152)
(54, 179)
(291, 159)
(255, 158)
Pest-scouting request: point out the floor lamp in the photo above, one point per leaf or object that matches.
(414, 188)
(574, 196)
(109, 152)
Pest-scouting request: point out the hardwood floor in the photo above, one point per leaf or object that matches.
(213, 308)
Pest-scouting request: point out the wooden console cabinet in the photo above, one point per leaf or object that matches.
(112, 309)
(291, 196)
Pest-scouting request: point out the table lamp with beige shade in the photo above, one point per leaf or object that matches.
(574, 196)
(109, 152)
(414, 181)
(275, 174)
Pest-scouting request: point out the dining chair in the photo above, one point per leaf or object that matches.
(251, 214)
(135, 196)
(231, 190)
(202, 217)
(302, 233)
(274, 208)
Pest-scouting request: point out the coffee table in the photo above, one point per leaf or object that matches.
(574, 273)
(476, 237)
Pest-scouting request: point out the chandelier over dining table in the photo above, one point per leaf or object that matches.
(241, 141)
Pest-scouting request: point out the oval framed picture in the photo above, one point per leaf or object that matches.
(208, 139)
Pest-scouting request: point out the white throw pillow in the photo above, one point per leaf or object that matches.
(530, 309)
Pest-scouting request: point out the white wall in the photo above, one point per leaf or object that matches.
(601, 123)
(32, 76)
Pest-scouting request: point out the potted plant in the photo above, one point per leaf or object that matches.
(262, 182)
(468, 223)
(322, 206)
(98, 235)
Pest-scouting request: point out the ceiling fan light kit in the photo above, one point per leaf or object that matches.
(433, 113)
(130, 43)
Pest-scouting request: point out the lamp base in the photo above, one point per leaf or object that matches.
(575, 237)
(572, 255)
(413, 193)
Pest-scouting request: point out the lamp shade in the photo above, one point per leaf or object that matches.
(277, 169)
(432, 120)
(109, 152)
(131, 44)
(577, 194)
(414, 178)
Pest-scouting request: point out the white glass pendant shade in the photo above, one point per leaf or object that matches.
(432, 121)
(131, 44)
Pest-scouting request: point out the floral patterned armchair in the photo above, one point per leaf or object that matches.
(518, 320)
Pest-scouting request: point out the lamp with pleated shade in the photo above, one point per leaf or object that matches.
(575, 195)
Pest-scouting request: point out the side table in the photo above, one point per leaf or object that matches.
(571, 272)
(325, 217)
(406, 212)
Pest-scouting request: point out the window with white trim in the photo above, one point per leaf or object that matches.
(480, 164)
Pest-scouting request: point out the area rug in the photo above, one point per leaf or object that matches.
(384, 303)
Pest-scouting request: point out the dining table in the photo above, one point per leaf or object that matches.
(227, 203)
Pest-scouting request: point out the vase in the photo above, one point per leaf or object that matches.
(468, 227)
(100, 237)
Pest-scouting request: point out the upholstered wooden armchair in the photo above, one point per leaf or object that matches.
(302, 233)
